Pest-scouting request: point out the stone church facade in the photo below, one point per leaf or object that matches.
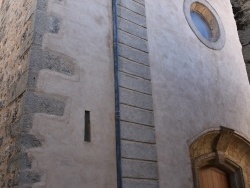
(124, 93)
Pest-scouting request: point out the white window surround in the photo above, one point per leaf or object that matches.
(202, 7)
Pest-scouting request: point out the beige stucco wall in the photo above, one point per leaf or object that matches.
(194, 88)
(65, 160)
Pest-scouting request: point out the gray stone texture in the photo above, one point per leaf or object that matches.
(134, 68)
(42, 5)
(138, 133)
(132, 41)
(132, 28)
(131, 16)
(140, 151)
(244, 36)
(28, 177)
(24, 161)
(54, 25)
(139, 169)
(37, 38)
(41, 22)
(136, 99)
(132, 5)
(133, 54)
(136, 115)
(42, 59)
(136, 105)
(241, 9)
(135, 83)
(28, 141)
(128, 183)
(40, 103)
(142, 2)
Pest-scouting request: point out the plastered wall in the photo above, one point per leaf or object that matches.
(195, 88)
(71, 71)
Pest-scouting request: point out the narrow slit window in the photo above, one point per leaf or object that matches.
(87, 128)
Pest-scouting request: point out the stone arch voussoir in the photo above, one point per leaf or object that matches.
(223, 148)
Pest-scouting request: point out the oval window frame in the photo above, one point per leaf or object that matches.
(202, 7)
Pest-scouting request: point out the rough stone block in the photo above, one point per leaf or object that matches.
(27, 177)
(139, 169)
(131, 16)
(15, 129)
(38, 103)
(134, 68)
(138, 133)
(42, 22)
(54, 25)
(135, 115)
(32, 79)
(135, 83)
(132, 5)
(41, 59)
(133, 54)
(25, 161)
(142, 2)
(29, 141)
(132, 28)
(38, 38)
(1, 141)
(136, 183)
(136, 99)
(18, 87)
(141, 151)
(244, 36)
(27, 120)
(132, 41)
(246, 53)
(42, 5)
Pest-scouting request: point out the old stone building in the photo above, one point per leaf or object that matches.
(124, 93)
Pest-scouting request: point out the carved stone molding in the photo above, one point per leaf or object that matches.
(224, 149)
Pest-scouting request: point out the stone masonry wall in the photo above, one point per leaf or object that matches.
(241, 9)
(16, 31)
(138, 146)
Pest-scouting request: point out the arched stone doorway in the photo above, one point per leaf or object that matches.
(224, 150)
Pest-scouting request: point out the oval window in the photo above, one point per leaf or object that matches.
(205, 23)
(201, 24)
